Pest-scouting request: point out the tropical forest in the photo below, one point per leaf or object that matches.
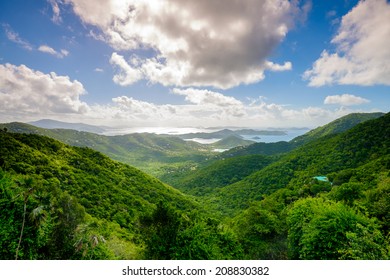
(66, 194)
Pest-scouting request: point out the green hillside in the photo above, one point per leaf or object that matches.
(151, 153)
(363, 143)
(231, 142)
(260, 148)
(294, 216)
(206, 180)
(69, 202)
(64, 202)
(340, 125)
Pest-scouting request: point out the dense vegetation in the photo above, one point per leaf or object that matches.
(63, 202)
(154, 154)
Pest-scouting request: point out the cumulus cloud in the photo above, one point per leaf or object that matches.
(26, 91)
(345, 100)
(127, 74)
(207, 97)
(46, 49)
(220, 105)
(363, 53)
(193, 43)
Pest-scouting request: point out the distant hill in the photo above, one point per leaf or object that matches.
(147, 151)
(221, 134)
(50, 124)
(340, 125)
(231, 142)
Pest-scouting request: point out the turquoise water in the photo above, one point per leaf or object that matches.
(291, 134)
(321, 178)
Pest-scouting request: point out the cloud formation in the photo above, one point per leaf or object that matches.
(14, 37)
(56, 18)
(46, 49)
(207, 97)
(215, 43)
(345, 100)
(26, 91)
(363, 53)
(27, 94)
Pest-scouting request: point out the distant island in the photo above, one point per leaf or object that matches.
(228, 132)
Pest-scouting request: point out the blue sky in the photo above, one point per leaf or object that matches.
(205, 63)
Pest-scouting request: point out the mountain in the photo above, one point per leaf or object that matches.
(365, 142)
(152, 153)
(64, 202)
(340, 125)
(47, 123)
(220, 134)
(230, 142)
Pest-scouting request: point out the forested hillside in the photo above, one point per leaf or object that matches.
(364, 143)
(337, 126)
(328, 198)
(62, 202)
(152, 153)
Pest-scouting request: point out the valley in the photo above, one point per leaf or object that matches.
(152, 196)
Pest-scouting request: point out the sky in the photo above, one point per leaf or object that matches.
(183, 63)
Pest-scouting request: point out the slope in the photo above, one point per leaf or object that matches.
(340, 125)
(76, 203)
(363, 143)
(337, 126)
(151, 153)
(205, 181)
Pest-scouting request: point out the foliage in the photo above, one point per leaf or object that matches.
(170, 234)
(63, 202)
(218, 174)
(320, 229)
(337, 126)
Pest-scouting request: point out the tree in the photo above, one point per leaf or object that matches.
(321, 229)
(160, 232)
(25, 194)
(347, 193)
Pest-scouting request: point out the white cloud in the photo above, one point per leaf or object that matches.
(26, 91)
(363, 53)
(14, 37)
(56, 18)
(127, 74)
(215, 43)
(46, 49)
(27, 94)
(207, 97)
(345, 100)
(98, 70)
(277, 67)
